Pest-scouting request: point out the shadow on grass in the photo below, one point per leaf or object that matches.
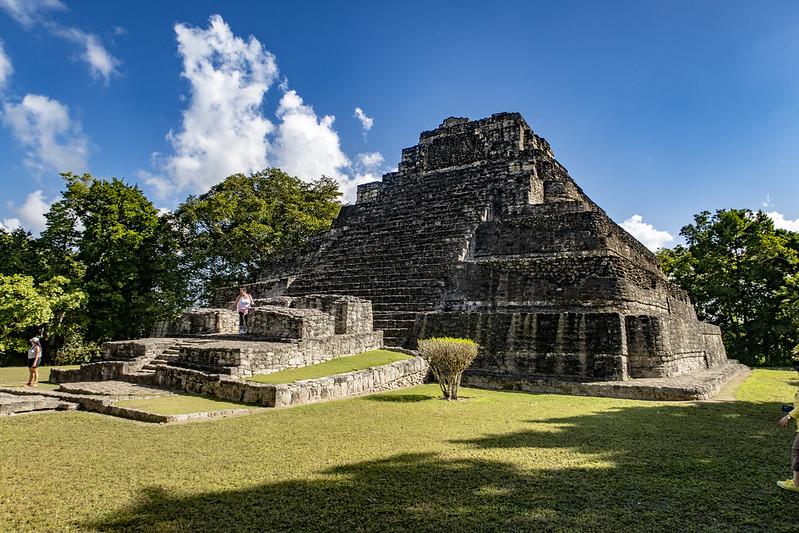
(696, 467)
(399, 398)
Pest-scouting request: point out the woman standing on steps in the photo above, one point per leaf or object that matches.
(243, 304)
(34, 360)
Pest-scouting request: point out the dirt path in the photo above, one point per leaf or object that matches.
(727, 394)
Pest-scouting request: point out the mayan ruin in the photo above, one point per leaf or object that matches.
(482, 233)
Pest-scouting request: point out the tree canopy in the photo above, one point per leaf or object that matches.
(235, 228)
(742, 274)
(109, 264)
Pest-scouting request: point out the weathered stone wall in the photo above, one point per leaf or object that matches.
(352, 315)
(583, 346)
(214, 385)
(248, 358)
(377, 379)
(199, 322)
(99, 371)
(134, 349)
(281, 323)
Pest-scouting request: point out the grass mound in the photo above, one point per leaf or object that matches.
(331, 368)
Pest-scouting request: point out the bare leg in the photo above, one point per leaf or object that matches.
(34, 376)
(30, 377)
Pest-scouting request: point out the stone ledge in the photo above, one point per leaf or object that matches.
(404, 373)
(11, 404)
(32, 399)
(698, 385)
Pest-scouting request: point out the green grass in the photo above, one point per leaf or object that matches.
(331, 368)
(179, 404)
(17, 376)
(406, 461)
(770, 385)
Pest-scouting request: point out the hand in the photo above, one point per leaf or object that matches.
(784, 421)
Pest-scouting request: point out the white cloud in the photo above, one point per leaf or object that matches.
(162, 187)
(780, 222)
(368, 167)
(307, 146)
(648, 235)
(366, 122)
(28, 12)
(30, 214)
(10, 224)
(223, 130)
(52, 139)
(5, 67)
(102, 64)
(370, 160)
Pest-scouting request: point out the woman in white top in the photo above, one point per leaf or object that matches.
(243, 304)
(34, 360)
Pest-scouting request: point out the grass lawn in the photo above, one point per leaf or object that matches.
(178, 404)
(331, 368)
(408, 461)
(17, 376)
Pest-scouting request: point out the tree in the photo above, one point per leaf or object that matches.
(28, 309)
(19, 253)
(448, 358)
(738, 270)
(107, 236)
(235, 228)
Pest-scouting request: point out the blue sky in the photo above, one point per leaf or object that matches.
(658, 109)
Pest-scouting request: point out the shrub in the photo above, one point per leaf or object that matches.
(448, 359)
(75, 349)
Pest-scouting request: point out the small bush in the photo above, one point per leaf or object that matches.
(448, 359)
(76, 349)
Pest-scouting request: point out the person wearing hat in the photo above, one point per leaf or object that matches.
(34, 359)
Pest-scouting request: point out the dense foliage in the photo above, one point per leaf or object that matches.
(743, 275)
(109, 265)
(448, 359)
(235, 228)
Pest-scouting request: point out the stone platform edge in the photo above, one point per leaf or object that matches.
(697, 385)
(106, 406)
(405, 373)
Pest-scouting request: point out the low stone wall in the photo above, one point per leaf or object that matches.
(199, 322)
(279, 323)
(238, 358)
(214, 385)
(133, 349)
(371, 380)
(99, 371)
(396, 375)
(698, 385)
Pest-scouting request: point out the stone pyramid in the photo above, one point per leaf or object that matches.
(481, 233)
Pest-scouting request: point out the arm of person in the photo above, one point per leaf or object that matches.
(38, 359)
